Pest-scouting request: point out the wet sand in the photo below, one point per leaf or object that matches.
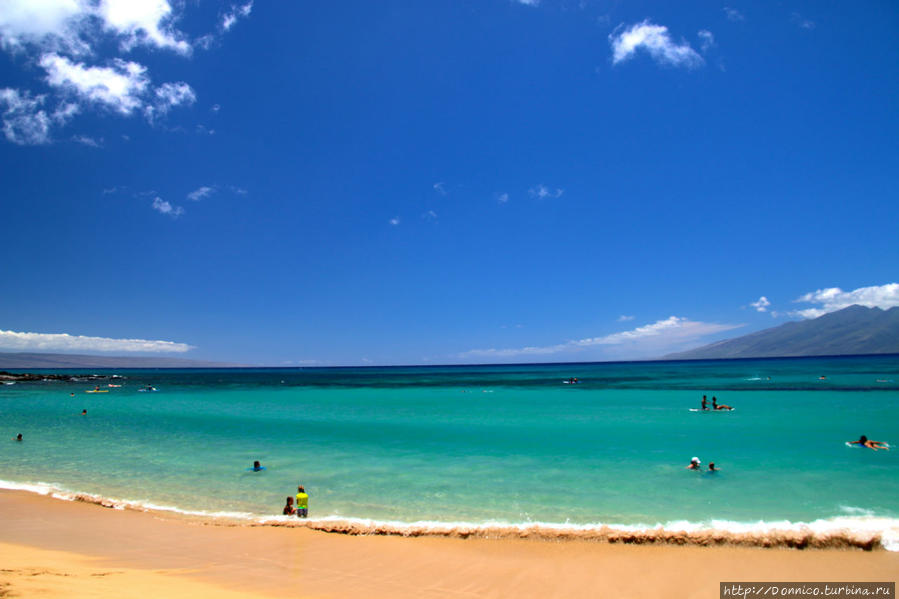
(52, 548)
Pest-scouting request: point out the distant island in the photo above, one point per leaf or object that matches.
(851, 331)
(30, 361)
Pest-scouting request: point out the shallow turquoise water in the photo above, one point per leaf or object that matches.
(476, 444)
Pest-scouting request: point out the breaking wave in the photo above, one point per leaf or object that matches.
(857, 528)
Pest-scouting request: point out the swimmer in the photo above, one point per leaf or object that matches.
(705, 403)
(257, 467)
(84, 412)
(17, 437)
(712, 467)
(862, 441)
(302, 502)
(694, 464)
(288, 507)
(72, 394)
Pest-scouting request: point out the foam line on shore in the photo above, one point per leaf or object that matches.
(860, 529)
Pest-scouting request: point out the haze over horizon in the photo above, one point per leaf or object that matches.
(442, 182)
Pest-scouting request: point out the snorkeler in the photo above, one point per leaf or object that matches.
(866, 442)
(694, 464)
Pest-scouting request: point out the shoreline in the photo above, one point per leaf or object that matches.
(868, 533)
(76, 543)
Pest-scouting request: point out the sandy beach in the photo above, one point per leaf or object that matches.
(53, 548)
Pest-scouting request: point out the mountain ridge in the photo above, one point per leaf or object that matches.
(854, 330)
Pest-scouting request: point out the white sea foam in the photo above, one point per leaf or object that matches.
(858, 528)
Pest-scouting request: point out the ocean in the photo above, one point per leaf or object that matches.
(489, 450)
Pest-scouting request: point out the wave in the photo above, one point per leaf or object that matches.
(858, 528)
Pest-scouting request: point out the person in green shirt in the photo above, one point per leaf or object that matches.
(302, 502)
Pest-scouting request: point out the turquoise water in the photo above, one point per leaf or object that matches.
(498, 444)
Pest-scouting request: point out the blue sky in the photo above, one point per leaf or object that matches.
(298, 183)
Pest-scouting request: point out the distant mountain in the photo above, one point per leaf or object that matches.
(34, 360)
(852, 330)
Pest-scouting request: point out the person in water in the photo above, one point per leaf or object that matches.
(302, 502)
(289, 510)
(705, 403)
(18, 437)
(712, 467)
(865, 442)
(717, 406)
(694, 464)
(84, 412)
(257, 467)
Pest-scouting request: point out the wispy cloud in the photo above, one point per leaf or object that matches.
(237, 12)
(624, 318)
(801, 21)
(834, 298)
(440, 187)
(25, 122)
(394, 221)
(201, 192)
(543, 192)
(88, 141)
(502, 198)
(430, 216)
(164, 207)
(733, 14)
(656, 336)
(66, 342)
(761, 305)
(528, 2)
(656, 41)
(706, 40)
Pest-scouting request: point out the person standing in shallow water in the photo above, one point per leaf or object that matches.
(302, 502)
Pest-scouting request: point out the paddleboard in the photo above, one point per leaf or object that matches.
(97, 391)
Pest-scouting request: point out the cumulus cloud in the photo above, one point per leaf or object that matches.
(163, 207)
(66, 342)
(655, 40)
(834, 298)
(543, 192)
(118, 87)
(761, 305)
(655, 336)
(64, 37)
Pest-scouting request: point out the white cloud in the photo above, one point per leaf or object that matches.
(529, 2)
(169, 95)
(733, 14)
(87, 141)
(624, 318)
(142, 22)
(440, 188)
(655, 40)
(502, 198)
(761, 305)
(66, 342)
(236, 12)
(52, 22)
(834, 298)
(707, 40)
(394, 221)
(163, 207)
(118, 88)
(430, 215)
(25, 122)
(656, 336)
(542, 192)
(200, 193)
